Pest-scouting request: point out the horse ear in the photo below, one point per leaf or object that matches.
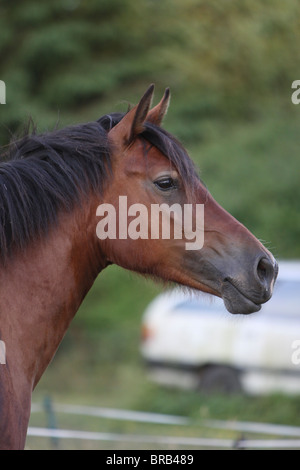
(157, 114)
(132, 123)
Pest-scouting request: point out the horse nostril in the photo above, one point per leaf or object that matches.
(266, 272)
(261, 270)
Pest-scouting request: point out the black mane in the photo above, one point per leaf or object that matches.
(41, 175)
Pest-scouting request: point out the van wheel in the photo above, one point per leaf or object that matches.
(219, 379)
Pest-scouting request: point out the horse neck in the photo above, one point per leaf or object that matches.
(42, 288)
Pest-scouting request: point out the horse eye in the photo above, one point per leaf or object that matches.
(165, 184)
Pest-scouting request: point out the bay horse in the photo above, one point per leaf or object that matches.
(50, 255)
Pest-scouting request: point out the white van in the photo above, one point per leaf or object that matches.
(190, 340)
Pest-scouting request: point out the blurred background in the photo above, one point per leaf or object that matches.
(230, 66)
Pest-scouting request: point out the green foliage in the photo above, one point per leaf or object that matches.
(230, 66)
(253, 170)
(226, 55)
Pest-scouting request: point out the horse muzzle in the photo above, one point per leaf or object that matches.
(247, 297)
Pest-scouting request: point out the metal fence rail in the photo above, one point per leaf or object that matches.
(112, 413)
(137, 416)
(167, 440)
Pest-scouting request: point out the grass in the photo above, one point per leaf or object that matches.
(81, 375)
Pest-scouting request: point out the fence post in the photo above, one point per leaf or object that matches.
(51, 420)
